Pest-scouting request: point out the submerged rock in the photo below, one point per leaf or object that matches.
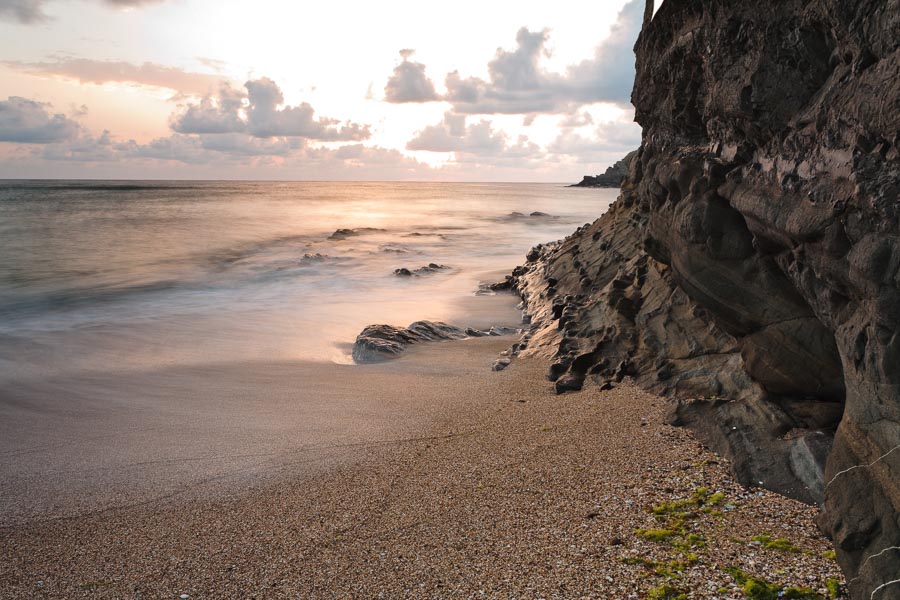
(308, 258)
(515, 216)
(426, 270)
(751, 265)
(342, 234)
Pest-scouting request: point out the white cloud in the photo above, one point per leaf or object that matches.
(260, 113)
(518, 83)
(472, 143)
(409, 83)
(29, 122)
(608, 139)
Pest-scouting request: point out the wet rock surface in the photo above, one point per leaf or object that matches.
(750, 268)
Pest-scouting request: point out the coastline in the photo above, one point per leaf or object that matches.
(495, 485)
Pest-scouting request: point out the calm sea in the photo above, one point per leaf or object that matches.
(136, 275)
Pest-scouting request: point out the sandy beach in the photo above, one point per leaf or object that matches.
(427, 476)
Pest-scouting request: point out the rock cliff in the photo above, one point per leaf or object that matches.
(612, 177)
(750, 268)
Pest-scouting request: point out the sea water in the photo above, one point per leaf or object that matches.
(107, 276)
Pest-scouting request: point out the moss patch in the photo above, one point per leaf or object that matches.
(782, 544)
(666, 592)
(757, 588)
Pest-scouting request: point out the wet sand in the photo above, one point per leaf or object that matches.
(82, 443)
(428, 476)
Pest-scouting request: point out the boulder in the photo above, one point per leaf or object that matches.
(382, 342)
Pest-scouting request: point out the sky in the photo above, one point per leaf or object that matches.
(338, 90)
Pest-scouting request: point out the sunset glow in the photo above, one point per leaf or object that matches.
(544, 100)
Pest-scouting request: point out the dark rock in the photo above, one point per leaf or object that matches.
(342, 234)
(613, 176)
(426, 270)
(498, 330)
(431, 268)
(753, 256)
(309, 259)
(570, 382)
(381, 342)
(500, 364)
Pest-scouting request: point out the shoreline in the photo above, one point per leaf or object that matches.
(501, 487)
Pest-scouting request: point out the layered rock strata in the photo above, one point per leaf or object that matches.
(750, 268)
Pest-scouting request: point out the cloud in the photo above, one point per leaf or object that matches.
(30, 12)
(222, 114)
(518, 83)
(84, 70)
(409, 83)
(609, 139)
(481, 139)
(29, 122)
(86, 148)
(26, 12)
(203, 149)
(260, 113)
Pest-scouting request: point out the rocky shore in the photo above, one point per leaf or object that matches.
(750, 268)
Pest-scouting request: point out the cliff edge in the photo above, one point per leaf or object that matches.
(750, 268)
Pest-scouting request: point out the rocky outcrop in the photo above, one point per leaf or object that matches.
(750, 268)
(377, 343)
(382, 342)
(612, 177)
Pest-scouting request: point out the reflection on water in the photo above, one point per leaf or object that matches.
(110, 276)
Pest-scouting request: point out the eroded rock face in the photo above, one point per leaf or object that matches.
(750, 268)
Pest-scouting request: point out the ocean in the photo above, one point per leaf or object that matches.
(117, 276)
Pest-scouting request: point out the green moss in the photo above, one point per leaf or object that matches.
(830, 554)
(656, 535)
(834, 587)
(666, 592)
(760, 589)
(689, 542)
(782, 544)
(702, 500)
